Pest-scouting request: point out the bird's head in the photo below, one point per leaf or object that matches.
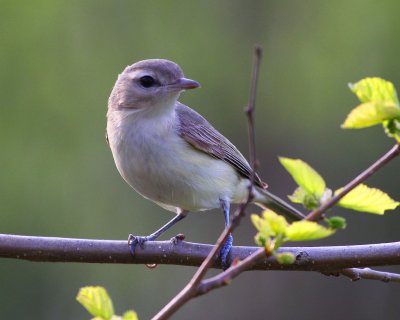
(148, 84)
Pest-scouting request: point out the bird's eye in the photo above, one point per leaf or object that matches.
(147, 81)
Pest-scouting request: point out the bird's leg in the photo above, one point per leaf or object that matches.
(225, 205)
(133, 241)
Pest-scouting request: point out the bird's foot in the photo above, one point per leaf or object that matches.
(225, 252)
(134, 241)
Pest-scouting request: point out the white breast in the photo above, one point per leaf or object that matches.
(164, 168)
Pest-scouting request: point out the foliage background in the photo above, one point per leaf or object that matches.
(59, 60)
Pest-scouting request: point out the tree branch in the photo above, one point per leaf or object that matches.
(330, 258)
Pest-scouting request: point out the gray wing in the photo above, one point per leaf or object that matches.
(200, 134)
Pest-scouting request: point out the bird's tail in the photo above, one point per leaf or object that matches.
(266, 199)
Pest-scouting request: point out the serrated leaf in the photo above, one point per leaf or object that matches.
(285, 257)
(371, 113)
(375, 90)
(130, 315)
(365, 199)
(305, 176)
(307, 230)
(96, 301)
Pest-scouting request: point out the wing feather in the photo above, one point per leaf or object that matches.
(200, 134)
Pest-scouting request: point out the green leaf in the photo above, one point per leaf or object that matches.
(365, 199)
(392, 129)
(130, 315)
(379, 105)
(269, 225)
(96, 301)
(371, 113)
(305, 176)
(307, 230)
(285, 257)
(309, 201)
(262, 226)
(336, 222)
(277, 223)
(260, 240)
(375, 90)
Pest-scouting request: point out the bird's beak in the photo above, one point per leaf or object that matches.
(184, 84)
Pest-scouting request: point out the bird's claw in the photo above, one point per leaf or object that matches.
(133, 241)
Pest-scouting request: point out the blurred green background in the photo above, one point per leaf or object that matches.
(59, 61)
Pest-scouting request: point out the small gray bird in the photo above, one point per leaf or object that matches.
(171, 155)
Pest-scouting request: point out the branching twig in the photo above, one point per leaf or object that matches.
(192, 288)
(390, 155)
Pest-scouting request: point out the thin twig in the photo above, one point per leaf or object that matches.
(228, 275)
(250, 112)
(387, 157)
(356, 274)
(192, 287)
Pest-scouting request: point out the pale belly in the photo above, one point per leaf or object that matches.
(170, 172)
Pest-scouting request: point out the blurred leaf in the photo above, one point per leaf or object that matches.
(307, 230)
(130, 315)
(375, 90)
(260, 239)
(371, 113)
(363, 198)
(96, 301)
(336, 222)
(285, 257)
(305, 176)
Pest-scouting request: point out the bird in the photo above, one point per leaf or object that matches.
(172, 155)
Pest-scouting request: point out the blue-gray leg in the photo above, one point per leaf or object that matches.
(133, 241)
(225, 205)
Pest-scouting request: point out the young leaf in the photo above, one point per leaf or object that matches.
(379, 105)
(130, 315)
(305, 176)
(277, 223)
(363, 198)
(263, 227)
(371, 113)
(336, 222)
(298, 196)
(375, 90)
(96, 301)
(307, 230)
(285, 257)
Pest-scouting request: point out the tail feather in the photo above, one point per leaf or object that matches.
(276, 204)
